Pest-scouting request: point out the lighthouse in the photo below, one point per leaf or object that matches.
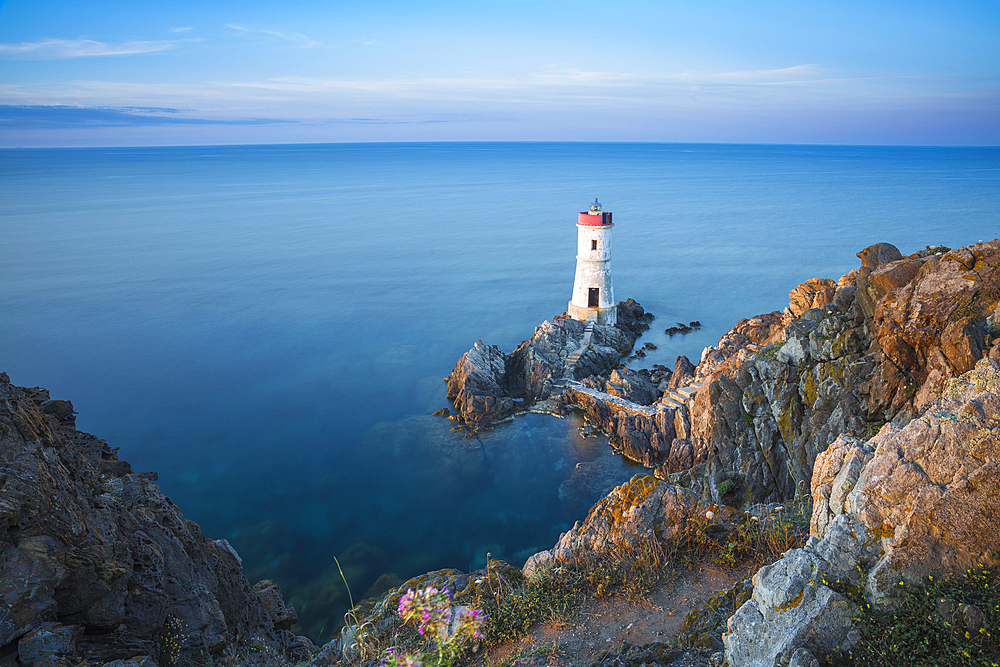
(593, 295)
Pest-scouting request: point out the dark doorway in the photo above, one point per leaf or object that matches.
(593, 297)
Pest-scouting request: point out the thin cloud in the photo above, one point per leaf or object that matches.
(62, 49)
(184, 29)
(796, 71)
(287, 36)
(44, 116)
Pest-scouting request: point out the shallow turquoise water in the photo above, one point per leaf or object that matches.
(264, 325)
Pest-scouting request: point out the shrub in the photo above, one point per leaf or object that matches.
(945, 621)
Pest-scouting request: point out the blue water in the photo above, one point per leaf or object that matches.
(268, 326)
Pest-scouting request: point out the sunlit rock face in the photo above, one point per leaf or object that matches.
(779, 388)
(908, 502)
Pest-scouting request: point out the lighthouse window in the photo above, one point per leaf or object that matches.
(593, 297)
(593, 244)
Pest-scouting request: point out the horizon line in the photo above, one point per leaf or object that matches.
(503, 141)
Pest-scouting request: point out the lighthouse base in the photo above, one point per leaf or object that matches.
(600, 315)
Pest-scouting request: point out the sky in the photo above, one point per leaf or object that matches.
(135, 72)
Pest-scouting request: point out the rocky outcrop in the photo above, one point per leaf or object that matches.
(95, 561)
(643, 510)
(907, 503)
(813, 293)
(488, 386)
(881, 350)
(479, 387)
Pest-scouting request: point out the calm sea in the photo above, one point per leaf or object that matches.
(268, 326)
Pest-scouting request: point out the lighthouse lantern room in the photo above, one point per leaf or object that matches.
(593, 295)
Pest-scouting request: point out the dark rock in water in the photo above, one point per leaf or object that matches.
(488, 386)
(477, 386)
(682, 328)
(443, 412)
(632, 318)
(89, 548)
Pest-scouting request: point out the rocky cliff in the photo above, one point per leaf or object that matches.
(97, 565)
(488, 386)
(912, 501)
(844, 357)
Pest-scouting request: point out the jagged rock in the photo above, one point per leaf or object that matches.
(632, 318)
(48, 639)
(488, 386)
(803, 658)
(910, 502)
(644, 508)
(86, 542)
(962, 344)
(931, 490)
(683, 373)
(477, 386)
(58, 408)
(632, 386)
(281, 615)
(766, 411)
(922, 330)
(893, 275)
(813, 293)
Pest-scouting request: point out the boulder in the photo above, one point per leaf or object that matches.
(477, 386)
(878, 254)
(813, 293)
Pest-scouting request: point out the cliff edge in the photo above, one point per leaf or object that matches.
(97, 565)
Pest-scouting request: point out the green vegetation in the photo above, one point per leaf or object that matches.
(769, 351)
(876, 426)
(972, 310)
(634, 570)
(946, 621)
(171, 639)
(763, 540)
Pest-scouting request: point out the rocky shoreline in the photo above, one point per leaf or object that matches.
(878, 394)
(97, 566)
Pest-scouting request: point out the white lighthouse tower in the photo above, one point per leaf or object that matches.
(593, 295)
